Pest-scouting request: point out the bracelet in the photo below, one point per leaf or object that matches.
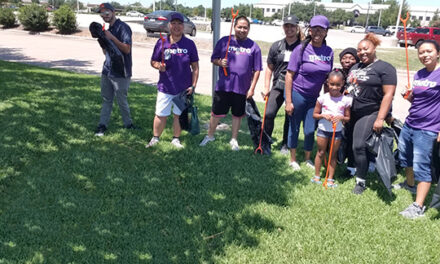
(193, 87)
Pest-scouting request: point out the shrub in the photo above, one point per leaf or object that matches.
(64, 19)
(33, 17)
(7, 17)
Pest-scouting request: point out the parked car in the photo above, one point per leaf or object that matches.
(277, 22)
(357, 29)
(134, 14)
(392, 29)
(157, 21)
(408, 29)
(378, 30)
(255, 21)
(418, 35)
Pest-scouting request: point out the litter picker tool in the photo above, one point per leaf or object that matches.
(330, 155)
(259, 148)
(163, 44)
(408, 91)
(234, 15)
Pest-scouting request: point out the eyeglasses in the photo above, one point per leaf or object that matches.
(318, 29)
(105, 13)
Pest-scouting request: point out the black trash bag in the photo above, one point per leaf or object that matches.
(184, 120)
(435, 174)
(116, 57)
(381, 146)
(254, 124)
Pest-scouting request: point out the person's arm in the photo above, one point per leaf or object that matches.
(220, 62)
(125, 48)
(267, 78)
(158, 65)
(345, 118)
(255, 77)
(438, 137)
(288, 90)
(388, 91)
(317, 113)
(194, 76)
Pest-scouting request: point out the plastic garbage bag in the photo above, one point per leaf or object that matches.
(254, 123)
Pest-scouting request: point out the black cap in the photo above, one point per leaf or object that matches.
(351, 51)
(291, 19)
(105, 6)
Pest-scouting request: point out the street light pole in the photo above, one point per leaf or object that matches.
(398, 18)
(368, 15)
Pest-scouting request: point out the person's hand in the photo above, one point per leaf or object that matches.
(109, 35)
(407, 92)
(189, 90)
(224, 63)
(250, 93)
(162, 67)
(265, 93)
(377, 126)
(289, 108)
(337, 119)
(327, 117)
(438, 137)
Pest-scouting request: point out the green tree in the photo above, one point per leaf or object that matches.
(336, 1)
(414, 23)
(117, 5)
(389, 15)
(435, 19)
(64, 19)
(33, 17)
(73, 4)
(347, 1)
(56, 3)
(7, 17)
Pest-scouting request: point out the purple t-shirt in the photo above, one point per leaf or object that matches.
(424, 112)
(244, 58)
(311, 70)
(178, 58)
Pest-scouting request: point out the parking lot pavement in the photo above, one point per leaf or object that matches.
(85, 56)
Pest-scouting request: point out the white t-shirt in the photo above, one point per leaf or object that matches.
(334, 106)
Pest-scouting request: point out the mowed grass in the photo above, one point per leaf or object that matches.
(70, 197)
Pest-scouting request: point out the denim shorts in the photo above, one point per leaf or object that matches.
(326, 134)
(415, 150)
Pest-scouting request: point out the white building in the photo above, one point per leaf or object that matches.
(271, 7)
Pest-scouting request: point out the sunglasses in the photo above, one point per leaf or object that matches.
(105, 13)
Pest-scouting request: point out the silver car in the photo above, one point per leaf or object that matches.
(157, 21)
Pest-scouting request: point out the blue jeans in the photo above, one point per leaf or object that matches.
(302, 112)
(415, 150)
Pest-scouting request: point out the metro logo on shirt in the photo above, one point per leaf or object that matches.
(321, 58)
(239, 50)
(424, 84)
(178, 52)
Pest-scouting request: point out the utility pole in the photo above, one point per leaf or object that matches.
(368, 15)
(398, 18)
(77, 6)
(154, 5)
(380, 14)
(289, 8)
(250, 12)
(216, 9)
(314, 8)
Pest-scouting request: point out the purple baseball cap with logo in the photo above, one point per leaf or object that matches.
(176, 16)
(319, 21)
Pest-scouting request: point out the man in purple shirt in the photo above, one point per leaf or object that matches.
(243, 67)
(177, 60)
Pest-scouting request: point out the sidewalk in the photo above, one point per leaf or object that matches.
(84, 55)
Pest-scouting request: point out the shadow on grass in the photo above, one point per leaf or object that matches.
(68, 196)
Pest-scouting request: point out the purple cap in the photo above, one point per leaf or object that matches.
(319, 21)
(176, 15)
(105, 6)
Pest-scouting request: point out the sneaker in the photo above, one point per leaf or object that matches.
(100, 130)
(284, 150)
(310, 164)
(153, 141)
(295, 166)
(404, 185)
(176, 142)
(234, 144)
(359, 188)
(413, 211)
(206, 140)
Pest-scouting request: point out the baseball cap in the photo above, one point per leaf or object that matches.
(291, 19)
(176, 15)
(319, 21)
(105, 6)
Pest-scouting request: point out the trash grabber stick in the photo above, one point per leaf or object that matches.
(229, 40)
(260, 149)
(330, 155)
(163, 43)
(406, 51)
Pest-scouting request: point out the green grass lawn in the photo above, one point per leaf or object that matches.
(70, 197)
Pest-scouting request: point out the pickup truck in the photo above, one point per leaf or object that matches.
(416, 37)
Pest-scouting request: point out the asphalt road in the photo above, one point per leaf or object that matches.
(85, 56)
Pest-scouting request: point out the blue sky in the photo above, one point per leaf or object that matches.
(229, 3)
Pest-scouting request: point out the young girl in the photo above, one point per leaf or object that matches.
(331, 108)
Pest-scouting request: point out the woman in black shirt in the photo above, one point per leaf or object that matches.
(277, 60)
(372, 85)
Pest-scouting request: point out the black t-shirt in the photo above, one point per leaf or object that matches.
(365, 85)
(279, 55)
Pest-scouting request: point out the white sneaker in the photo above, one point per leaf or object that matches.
(152, 142)
(284, 150)
(295, 166)
(176, 142)
(206, 140)
(234, 144)
(310, 164)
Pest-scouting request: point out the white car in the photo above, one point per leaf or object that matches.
(277, 22)
(134, 14)
(357, 29)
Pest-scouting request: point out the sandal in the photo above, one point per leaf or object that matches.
(316, 179)
(331, 183)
